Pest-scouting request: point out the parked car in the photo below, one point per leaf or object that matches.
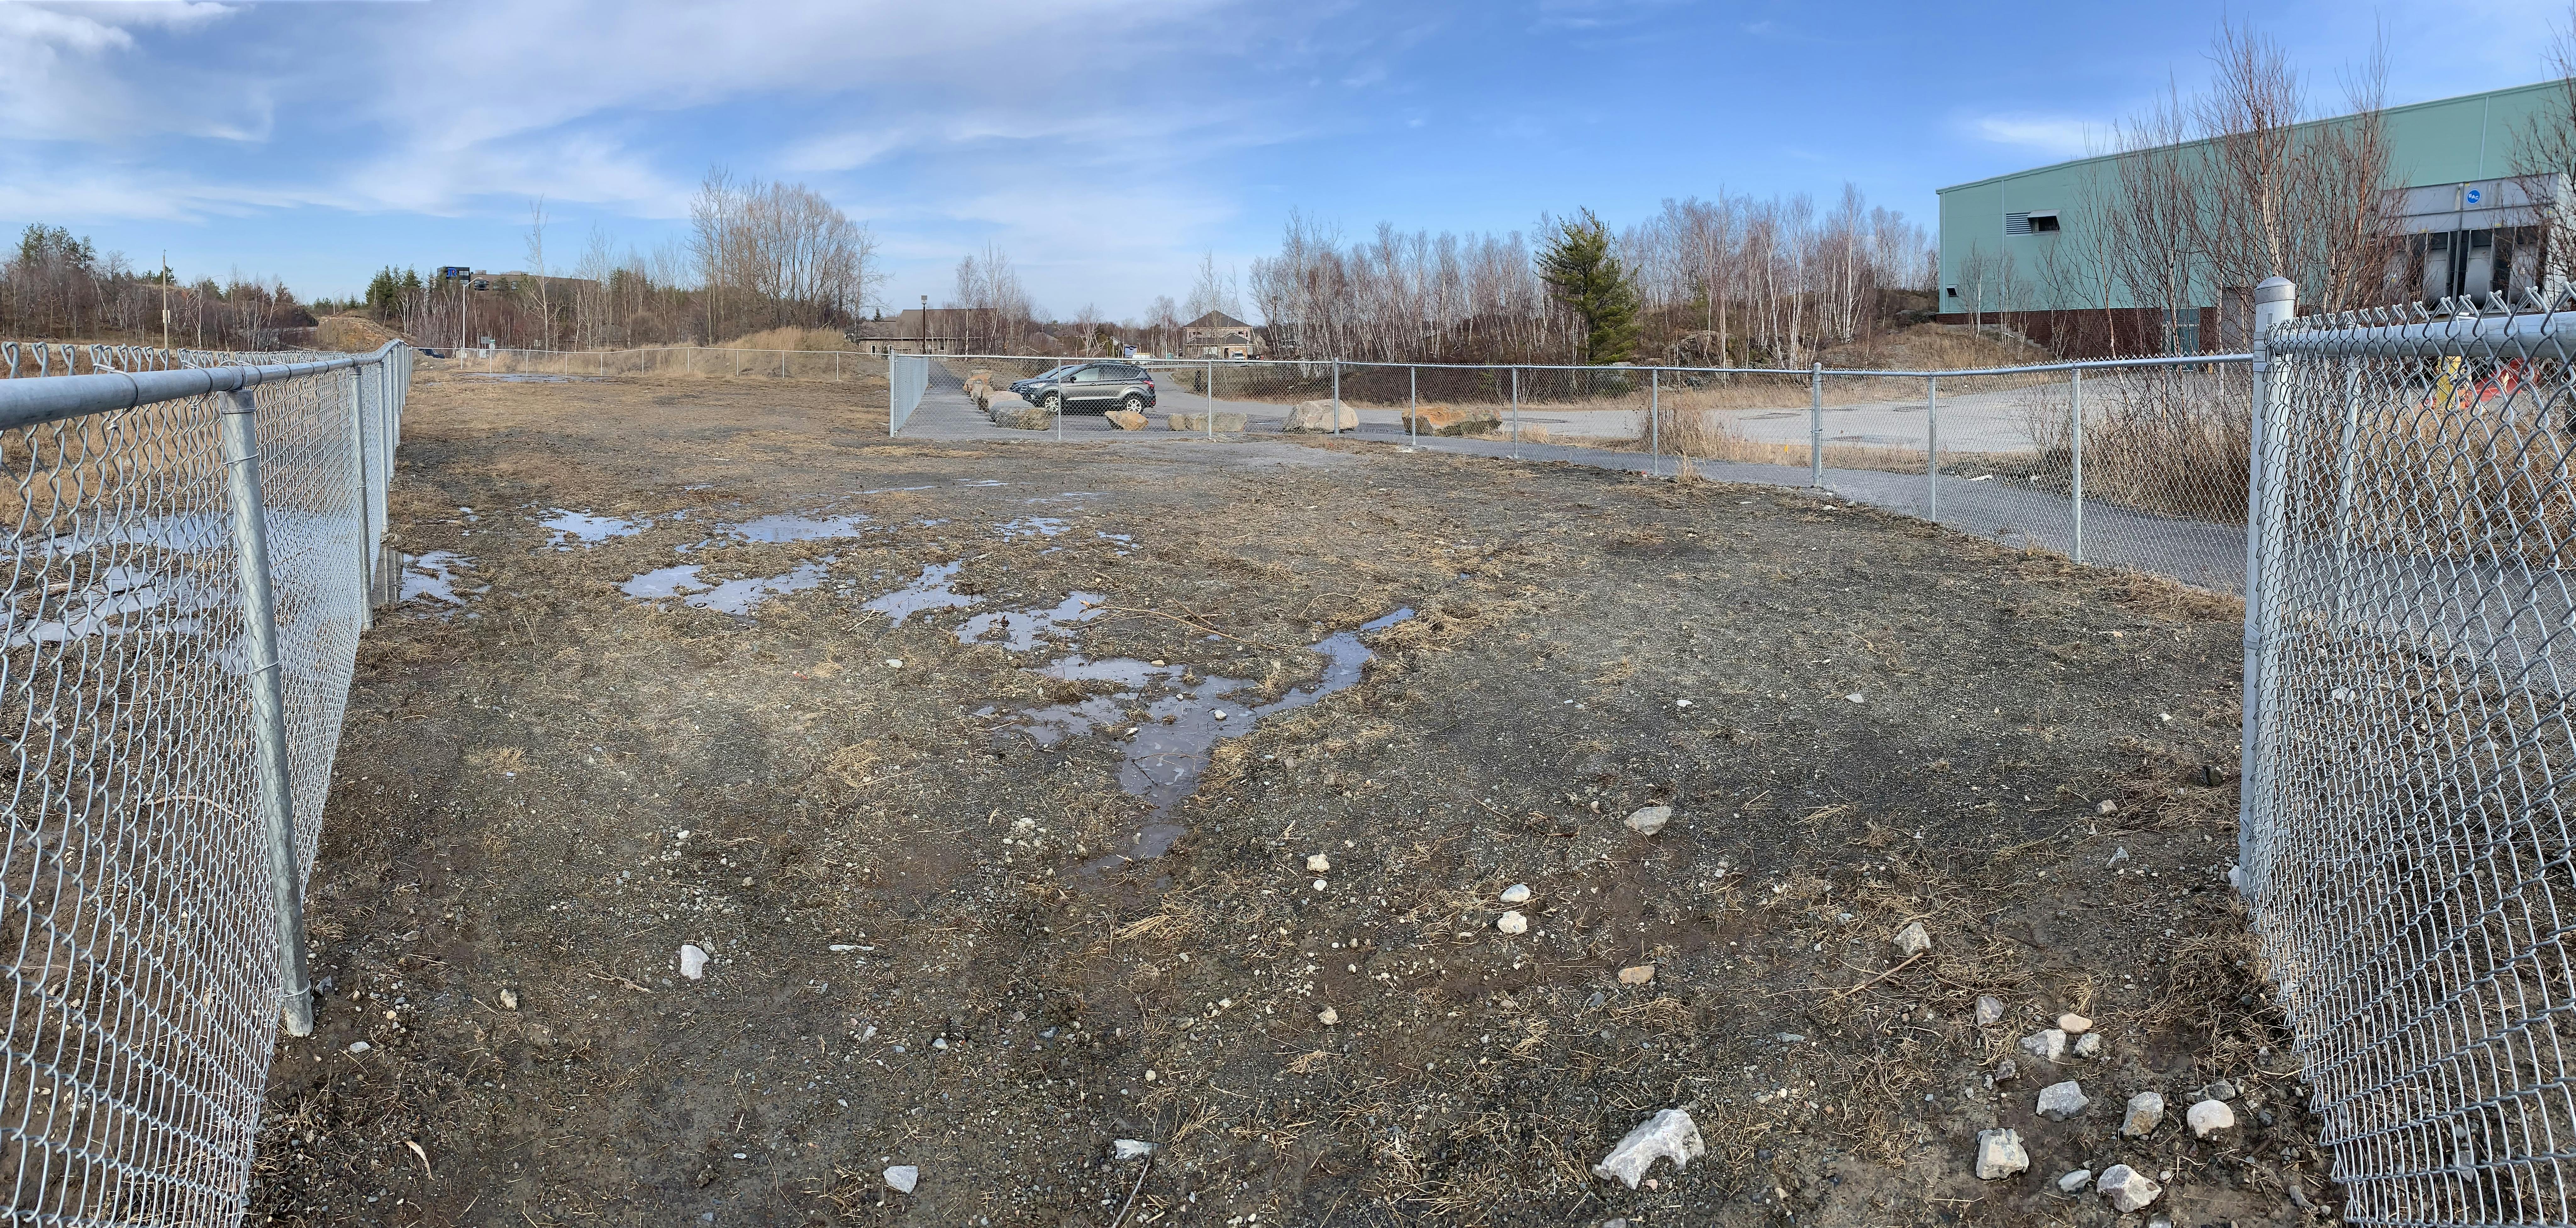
(1048, 376)
(1093, 387)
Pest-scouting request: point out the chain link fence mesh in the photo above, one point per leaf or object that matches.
(2413, 873)
(136, 900)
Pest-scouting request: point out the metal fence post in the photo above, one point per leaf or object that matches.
(1516, 413)
(1211, 401)
(2076, 454)
(1413, 407)
(1337, 396)
(1932, 445)
(1655, 422)
(2275, 301)
(1816, 426)
(365, 395)
(268, 705)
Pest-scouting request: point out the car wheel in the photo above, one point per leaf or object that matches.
(1133, 404)
(1052, 403)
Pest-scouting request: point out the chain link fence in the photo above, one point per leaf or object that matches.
(193, 552)
(686, 361)
(2411, 636)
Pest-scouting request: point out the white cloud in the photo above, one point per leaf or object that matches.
(2064, 137)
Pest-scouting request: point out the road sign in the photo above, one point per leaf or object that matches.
(451, 272)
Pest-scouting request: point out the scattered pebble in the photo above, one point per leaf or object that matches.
(2073, 1024)
(2059, 1101)
(1990, 1010)
(2220, 1090)
(2127, 1188)
(2146, 1112)
(1328, 1016)
(1133, 1148)
(693, 962)
(359, 1046)
(1512, 923)
(2107, 806)
(2048, 1045)
(2089, 1045)
(1668, 1133)
(2007, 1070)
(1517, 893)
(1317, 863)
(1651, 819)
(894, 663)
(2000, 1154)
(2209, 1117)
(509, 999)
(2074, 1181)
(1913, 940)
(902, 1177)
(1856, 697)
(1637, 975)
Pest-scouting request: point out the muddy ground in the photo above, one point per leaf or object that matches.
(935, 941)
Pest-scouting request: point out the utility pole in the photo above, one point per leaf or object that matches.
(925, 324)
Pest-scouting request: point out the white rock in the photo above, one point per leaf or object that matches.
(2089, 1045)
(2146, 1112)
(2075, 1181)
(359, 1046)
(2048, 1045)
(1648, 821)
(2127, 1188)
(2209, 1117)
(902, 1177)
(2107, 806)
(1913, 940)
(1517, 893)
(1668, 1133)
(2000, 1154)
(1512, 923)
(1990, 1010)
(1317, 863)
(509, 999)
(693, 962)
(1328, 1016)
(1133, 1148)
(2059, 1101)
(2073, 1024)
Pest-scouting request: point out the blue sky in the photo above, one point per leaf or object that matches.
(1103, 144)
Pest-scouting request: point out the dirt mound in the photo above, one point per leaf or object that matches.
(792, 339)
(353, 334)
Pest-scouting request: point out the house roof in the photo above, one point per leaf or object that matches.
(1216, 319)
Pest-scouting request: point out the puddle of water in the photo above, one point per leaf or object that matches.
(930, 592)
(583, 528)
(1021, 628)
(738, 597)
(1166, 760)
(433, 576)
(790, 527)
(101, 606)
(1032, 526)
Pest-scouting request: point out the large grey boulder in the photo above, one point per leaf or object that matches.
(1321, 416)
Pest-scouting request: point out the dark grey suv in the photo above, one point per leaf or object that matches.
(1095, 388)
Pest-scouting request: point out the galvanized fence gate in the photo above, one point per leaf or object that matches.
(194, 550)
(2411, 645)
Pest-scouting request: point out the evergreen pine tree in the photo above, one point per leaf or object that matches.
(1578, 266)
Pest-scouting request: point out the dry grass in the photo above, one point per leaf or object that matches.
(813, 340)
(1709, 435)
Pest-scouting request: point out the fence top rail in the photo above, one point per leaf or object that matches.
(1194, 364)
(34, 402)
(2525, 335)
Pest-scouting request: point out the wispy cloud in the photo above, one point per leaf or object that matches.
(2051, 134)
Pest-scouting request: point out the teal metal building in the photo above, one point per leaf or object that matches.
(2023, 248)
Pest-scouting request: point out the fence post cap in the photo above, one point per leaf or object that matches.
(2275, 290)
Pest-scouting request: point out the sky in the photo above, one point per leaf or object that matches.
(1104, 145)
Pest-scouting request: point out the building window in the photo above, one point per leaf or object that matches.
(2016, 223)
(1952, 292)
(2043, 223)
(2033, 222)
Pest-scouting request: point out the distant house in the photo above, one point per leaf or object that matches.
(1216, 335)
(941, 330)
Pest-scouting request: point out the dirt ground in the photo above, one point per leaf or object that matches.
(934, 938)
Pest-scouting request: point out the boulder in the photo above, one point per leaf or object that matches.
(1321, 416)
(1023, 418)
(1226, 424)
(1125, 419)
(1450, 419)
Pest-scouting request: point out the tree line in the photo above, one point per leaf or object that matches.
(54, 286)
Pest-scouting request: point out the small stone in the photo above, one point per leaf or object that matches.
(1648, 821)
(2059, 1101)
(2073, 1024)
(2074, 1181)
(1517, 893)
(693, 962)
(1990, 1010)
(2107, 806)
(509, 999)
(1133, 1148)
(1328, 1016)
(1857, 697)
(2220, 1090)
(2000, 1154)
(1512, 923)
(1637, 975)
(1317, 863)
(2209, 1117)
(2048, 1045)
(902, 1177)
(2089, 1045)
(894, 663)
(2127, 1188)
(1913, 940)
(1668, 1133)
(359, 1046)
(2146, 1112)
(2007, 1070)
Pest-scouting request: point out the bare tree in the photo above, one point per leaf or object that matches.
(537, 269)
(2545, 159)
